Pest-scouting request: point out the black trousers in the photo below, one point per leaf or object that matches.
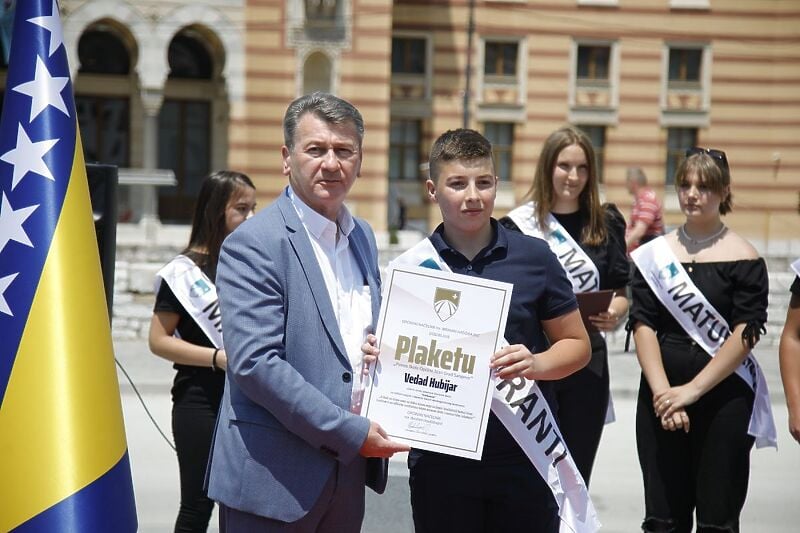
(193, 428)
(580, 402)
(478, 498)
(704, 471)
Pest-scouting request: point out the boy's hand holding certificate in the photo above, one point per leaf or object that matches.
(437, 331)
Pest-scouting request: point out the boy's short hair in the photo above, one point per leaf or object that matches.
(461, 144)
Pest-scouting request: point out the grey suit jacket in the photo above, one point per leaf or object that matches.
(284, 421)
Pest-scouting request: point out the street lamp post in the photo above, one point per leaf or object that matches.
(467, 89)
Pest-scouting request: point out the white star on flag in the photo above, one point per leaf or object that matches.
(4, 283)
(53, 25)
(11, 223)
(44, 90)
(28, 156)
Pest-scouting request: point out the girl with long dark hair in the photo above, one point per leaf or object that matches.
(186, 329)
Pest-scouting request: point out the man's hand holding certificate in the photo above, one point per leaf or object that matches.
(437, 331)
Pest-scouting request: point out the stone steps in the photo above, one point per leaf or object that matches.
(134, 271)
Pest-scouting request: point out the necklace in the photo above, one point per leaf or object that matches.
(704, 239)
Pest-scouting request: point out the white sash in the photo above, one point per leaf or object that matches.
(796, 267)
(580, 269)
(670, 282)
(522, 409)
(196, 293)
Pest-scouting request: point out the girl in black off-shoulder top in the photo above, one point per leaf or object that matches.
(693, 411)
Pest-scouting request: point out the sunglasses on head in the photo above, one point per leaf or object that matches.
(717, 155)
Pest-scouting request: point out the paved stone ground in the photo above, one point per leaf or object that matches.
(772, 504)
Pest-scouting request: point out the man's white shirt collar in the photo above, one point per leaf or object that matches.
(316, 224)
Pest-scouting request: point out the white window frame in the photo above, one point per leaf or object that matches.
(595, 117)
(428, 56)
(522, 51)
(507, 113)
(694, 119)
(690, 4)
(598, 3)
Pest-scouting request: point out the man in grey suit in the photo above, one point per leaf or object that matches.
(299, 288)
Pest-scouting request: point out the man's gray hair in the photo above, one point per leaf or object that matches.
(637, 174)
(324, 106)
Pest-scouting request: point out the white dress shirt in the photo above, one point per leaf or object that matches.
(347, 286)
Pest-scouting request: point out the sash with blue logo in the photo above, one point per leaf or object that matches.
(196, 293)
(580, 269)
(524, 412)
(796, 267)
(672, 285)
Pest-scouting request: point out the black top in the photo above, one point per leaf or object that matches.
(610, 257)
(209, 382)
(795, 288)
(738, 290)
(541, 292)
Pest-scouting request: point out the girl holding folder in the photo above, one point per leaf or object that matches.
(589, 240)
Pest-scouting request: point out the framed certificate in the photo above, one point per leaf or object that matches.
(437, 331)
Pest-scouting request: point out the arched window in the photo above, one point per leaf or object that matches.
(101, 104)
(184, 145)
(189, 57)
(185, 122)
(317, 73)
(102, 51)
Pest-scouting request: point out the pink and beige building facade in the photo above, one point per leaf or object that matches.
(209, 81)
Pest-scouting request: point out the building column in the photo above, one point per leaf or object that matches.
(151, 103)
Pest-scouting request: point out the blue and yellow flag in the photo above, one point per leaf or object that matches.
(63, 455)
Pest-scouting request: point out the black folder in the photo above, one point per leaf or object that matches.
(592, 303)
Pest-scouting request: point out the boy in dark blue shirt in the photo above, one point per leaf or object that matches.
(503, 491)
